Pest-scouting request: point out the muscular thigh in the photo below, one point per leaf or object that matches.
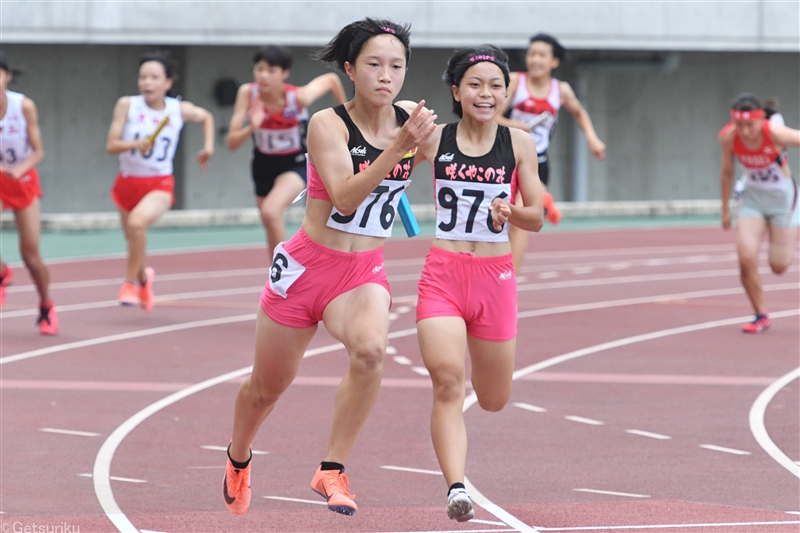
(359, 315)
(782, 242)
(749, 233)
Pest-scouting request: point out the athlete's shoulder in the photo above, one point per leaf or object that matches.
(727, 131)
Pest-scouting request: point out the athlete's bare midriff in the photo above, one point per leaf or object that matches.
(314, 224)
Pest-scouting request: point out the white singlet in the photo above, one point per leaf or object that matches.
(142, 121)
(14, 145)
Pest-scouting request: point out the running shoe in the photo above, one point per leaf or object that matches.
(758, 325)
(128, 295)
(236, 488)
(459, 505)
(48, 321)
(333, 485)
(5, 281)
(146, 294)
(551, 212)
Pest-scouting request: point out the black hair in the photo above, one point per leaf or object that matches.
(463, 59)
(348, 43)
(163, 57)
(559, 51)
(746, 102)
(274, 56)
(5, 64)
(770, 107)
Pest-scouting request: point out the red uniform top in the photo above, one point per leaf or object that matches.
(764, 165)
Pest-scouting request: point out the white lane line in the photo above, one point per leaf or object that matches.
(184, 276)
(298, 500)
(792, 512)
(70, 432)
(414, 470)
(641, 278)
(393, 317)
(529, 407)
(421, 370)
(160, 298)
(547, 275)
(225, 449)
(731, 451)
(582, 270)
(126, 336)
(619, 266)
(403, 309)
(402, 360)
(612, 493)
(648, 434)
(759, 429)
(102, 463)
(496, 510)
(115, 478)
(488, 522)
(583, 420)
(391, 350)
(668, 526)
(648, 299)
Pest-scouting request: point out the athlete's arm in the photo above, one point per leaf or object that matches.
(114, 142)
(193, 113)
(726, 175)
(500, 117)
(237, 131)
(571, 103)
(327, 151)
(781, 135)
(34, 140)
(320, 86)
(530, 217)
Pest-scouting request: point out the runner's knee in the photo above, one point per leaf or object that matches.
(367, 355)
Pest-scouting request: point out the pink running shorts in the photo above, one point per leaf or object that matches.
(306, 276)
(481, 290)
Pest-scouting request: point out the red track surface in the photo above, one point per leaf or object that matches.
(579, 290)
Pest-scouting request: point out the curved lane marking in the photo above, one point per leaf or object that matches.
(759, 429)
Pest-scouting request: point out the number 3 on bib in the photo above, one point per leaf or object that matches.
(463, 211)
(375, 216)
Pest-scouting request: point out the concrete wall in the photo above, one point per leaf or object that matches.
(660, 128)
(754, 25)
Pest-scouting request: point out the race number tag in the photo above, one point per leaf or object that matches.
(769, 178)
(284, 272)
(463, 211)
(275, 142)
(375, 216)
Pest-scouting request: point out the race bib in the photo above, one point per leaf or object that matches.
(284, 272)
(375, 216)
(276, 142)
(770, 178)
(463, 211)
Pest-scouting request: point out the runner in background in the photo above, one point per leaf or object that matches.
(533, 101)
(468, 288)
(768, 203)
(144, 189)
(20, 151)
(276, 120)
(360, 156)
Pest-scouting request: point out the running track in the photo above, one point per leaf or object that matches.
(638, 406)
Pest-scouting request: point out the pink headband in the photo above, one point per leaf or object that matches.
(747, 115)
(474, 59)
(388, 30)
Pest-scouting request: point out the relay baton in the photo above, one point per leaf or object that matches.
(152, 137)
(407, 216)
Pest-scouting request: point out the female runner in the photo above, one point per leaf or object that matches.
(360, 155)
(277, 119)
(20, 151)
(534, 98)
(768, 202)
(144, 189)
(468, 289)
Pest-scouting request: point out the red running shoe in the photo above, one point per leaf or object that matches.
(551, 212)
(758, 325)
(333, 486)
(146, 294)
(48, 321)
(5, 281)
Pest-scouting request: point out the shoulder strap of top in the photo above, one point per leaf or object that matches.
(401, 114)
(345, 116)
